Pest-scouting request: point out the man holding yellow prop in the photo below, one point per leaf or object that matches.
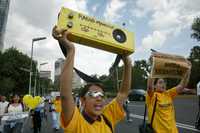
(95, 117)
(157, 94)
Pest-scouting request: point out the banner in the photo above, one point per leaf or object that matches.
(168, 66)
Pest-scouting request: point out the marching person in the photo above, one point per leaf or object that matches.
(14, 107)
(3, 105)
(95, 117)
(126, 108)
(164, 118)
(56, 109)
(197, 123)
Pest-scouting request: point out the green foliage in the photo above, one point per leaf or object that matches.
(12, 78)
(108, 83)
(196, 29)
(140, 74)
(45, 85)
(195, 72)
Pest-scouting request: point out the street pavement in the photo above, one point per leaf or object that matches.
(186, 108)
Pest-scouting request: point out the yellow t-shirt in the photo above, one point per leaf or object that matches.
(113, 112)
(164, 118)
(57, 104)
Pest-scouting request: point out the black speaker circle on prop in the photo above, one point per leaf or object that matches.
(119, 35)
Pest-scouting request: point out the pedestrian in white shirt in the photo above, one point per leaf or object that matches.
(197, 123)
(14, 107)
(3, 105)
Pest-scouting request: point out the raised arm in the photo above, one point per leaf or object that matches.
(126, 81)
(150, 86)
(67, 101)
(183, 83)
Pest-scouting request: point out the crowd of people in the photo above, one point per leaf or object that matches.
(14, 106)
(87, 112)
(103, 118)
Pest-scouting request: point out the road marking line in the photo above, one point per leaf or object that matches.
(181, 125)
(185, 125)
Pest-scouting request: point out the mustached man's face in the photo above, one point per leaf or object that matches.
(93, 106)
(160, 85)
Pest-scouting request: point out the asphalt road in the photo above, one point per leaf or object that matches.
(186, 110)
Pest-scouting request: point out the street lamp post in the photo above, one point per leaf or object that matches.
(30, 76)
(39, 76)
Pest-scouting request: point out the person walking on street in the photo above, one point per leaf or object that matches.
(197, 123)
(164, 118)
(14, 107)
(126, 108)
(3, 105)
(96, 117)
(56, 109)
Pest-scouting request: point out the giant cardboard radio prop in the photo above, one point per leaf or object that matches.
(168, 66)
(91, 32)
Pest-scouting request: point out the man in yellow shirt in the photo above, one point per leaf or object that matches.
(95, 117)
(164, 118)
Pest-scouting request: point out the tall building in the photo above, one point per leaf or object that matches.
(58, 68)
(4, 7)
(76, 82)
(44, 83)
(45, 74)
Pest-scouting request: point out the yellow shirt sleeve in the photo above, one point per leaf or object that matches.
(72, 125)
(172, 92)
(114, 112)
(149, 98)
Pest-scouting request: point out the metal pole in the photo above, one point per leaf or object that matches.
(40, 90)
(29, 90)
(117, 78)
(30, 77)
(35, 82)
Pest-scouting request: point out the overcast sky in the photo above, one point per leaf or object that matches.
(164, 25)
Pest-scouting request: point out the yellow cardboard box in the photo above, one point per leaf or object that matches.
(94, 33)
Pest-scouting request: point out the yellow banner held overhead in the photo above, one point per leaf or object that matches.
(94, 33)
(169, 66)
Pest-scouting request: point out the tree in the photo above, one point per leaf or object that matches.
(45, 86)
(108, 83)
(196, 29)
(195, 72)
(12, 78)
(140, 74)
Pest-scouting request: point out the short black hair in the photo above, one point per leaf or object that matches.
(85, 89)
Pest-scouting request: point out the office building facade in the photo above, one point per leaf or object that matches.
(76, 82)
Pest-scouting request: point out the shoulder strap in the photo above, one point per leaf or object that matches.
(107, 122)
(90, 79)
(154, 110)
(145, 110)
(23, 109)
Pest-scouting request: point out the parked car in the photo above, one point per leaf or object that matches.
(137, 95)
